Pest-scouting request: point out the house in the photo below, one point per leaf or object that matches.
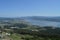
(8, 34)
(35, 30)
(14, 27)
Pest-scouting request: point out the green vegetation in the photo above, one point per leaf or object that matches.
(25, 31)
(15, 37)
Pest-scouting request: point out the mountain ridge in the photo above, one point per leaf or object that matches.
(54, 19)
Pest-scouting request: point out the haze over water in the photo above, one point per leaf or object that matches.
(44, 23)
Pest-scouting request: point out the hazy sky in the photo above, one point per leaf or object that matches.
(18, 8)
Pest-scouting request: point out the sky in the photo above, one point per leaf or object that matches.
(19, 8)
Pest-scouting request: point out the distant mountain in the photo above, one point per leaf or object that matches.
(54, 19)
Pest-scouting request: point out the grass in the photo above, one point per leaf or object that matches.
(16, 37)
(23, 37)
